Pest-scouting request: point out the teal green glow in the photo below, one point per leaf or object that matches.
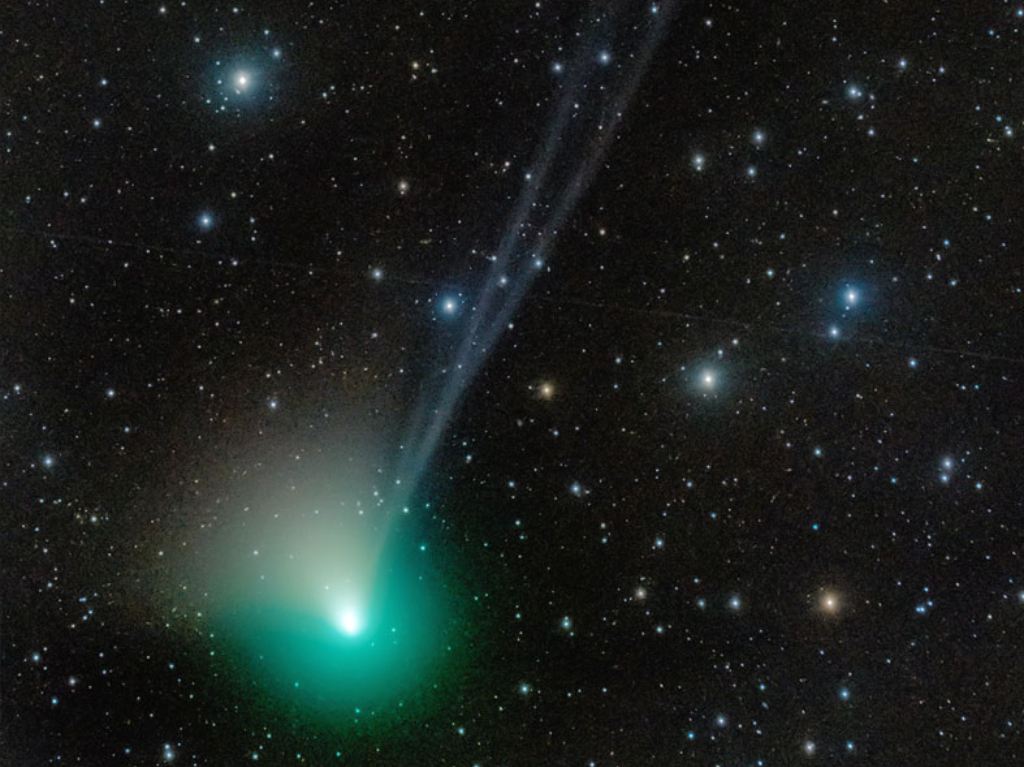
(365, 657)
(320, 605)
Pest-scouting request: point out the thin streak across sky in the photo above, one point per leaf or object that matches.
(513, 267)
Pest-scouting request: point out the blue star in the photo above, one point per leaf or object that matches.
(449, 305)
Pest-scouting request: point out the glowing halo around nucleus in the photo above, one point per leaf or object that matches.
(316, 594)
(349, 621)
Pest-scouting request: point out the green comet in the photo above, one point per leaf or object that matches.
(320, 604)
(367, 656)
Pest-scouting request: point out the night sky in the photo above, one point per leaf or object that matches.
(511, 383)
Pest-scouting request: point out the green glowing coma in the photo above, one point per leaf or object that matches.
(366, 656)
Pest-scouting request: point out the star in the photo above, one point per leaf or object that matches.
(829, 602)
(449, 306)
(546, 391)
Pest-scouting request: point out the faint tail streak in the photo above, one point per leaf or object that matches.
(514, 268)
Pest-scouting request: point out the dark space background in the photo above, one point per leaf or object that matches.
(812, 556)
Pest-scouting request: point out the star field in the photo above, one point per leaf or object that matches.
(512, 383)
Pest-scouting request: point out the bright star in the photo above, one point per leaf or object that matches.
(829, 602)
(449, 306)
